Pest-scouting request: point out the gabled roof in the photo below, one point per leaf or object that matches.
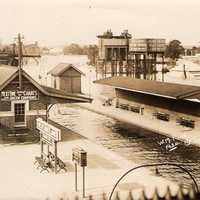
(163, 89)
(61, 68)
(8, 73)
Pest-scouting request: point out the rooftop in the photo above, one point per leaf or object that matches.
(52, 92)
(163, 89)
(8, 73)
(62, 67)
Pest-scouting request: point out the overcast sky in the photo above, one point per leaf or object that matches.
(56, 22)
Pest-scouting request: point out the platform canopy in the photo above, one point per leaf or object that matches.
(157, 88)
(52, 96)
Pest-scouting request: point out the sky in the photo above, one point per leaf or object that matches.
(59, 22)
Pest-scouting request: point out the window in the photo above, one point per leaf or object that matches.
(108, 54)
(19, 110)
(55, 83)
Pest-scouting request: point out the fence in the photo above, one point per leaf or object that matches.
(181, 194)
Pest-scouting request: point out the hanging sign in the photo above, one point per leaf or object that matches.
(19, 95)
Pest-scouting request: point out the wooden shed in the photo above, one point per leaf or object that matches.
(66, 77)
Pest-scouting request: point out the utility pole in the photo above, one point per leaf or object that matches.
(20, 59)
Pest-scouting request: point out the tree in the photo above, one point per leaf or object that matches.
(92, 52)
(74, 49)
(174, 49)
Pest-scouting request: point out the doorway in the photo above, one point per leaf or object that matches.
(19, 111)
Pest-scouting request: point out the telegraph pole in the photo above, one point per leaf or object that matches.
(20, 58)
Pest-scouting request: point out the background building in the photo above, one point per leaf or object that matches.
(66, 77)
(124, 56)
(113, 53)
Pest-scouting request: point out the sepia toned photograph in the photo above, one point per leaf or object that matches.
(100, 100)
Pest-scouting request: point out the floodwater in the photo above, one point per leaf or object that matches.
(139, 147)
(126, 140)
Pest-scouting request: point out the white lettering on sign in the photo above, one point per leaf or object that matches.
(19, 95)
(48, 131)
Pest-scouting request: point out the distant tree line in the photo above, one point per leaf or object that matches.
(174, 50)
(90, 50)
(193, 51)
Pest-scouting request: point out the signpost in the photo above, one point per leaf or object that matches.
(10, 95)
(79, 157)
(48, 131)
(49, 135)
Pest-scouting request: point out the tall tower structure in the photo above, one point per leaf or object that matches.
(124, 56)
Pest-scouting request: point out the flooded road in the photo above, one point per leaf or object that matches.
(136, 146)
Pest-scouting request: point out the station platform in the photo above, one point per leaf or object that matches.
(148, 122)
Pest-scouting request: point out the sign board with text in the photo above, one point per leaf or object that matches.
(49, 133)
(79, 156)
(9, 95)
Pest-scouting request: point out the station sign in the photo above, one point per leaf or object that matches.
(10, 95)
(48, 140)
(49, 133)
(79, 156)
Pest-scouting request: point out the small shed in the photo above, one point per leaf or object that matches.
(67, 77)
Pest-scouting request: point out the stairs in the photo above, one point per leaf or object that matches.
(17, 135)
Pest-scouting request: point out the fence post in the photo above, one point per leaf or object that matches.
(168, 194)
(143, 196)
(192, 192)
(104, 197)
(90, 197)
(156, 195)
(130, 196)
(117, 196)
(180, 194)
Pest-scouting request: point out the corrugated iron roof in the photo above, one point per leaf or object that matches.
(6, 72)
(164, 89)
(62, 67)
